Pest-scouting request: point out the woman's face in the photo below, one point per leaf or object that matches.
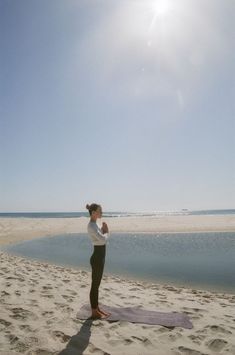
(97, 213)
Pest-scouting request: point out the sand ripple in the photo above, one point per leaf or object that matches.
(39, 303)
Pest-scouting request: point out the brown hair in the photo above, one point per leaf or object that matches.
(92, 207)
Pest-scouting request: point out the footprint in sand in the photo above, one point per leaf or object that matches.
(128, 341)
(5, 323)
(64, 338)
(171, 337)
(4, 293)
(197, 339)
(162, 330)
(217, 344)
(113, 326)
(68, 298)
(188, 351)
(25, 327)
(64, 307)
(20, 313)
(17, 344)
(218, 329)
(47, 313)
(66, 281)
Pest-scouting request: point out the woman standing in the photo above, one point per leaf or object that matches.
(98, 236)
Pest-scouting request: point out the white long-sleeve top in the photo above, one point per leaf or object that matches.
(95, 232)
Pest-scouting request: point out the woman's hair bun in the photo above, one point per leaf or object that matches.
(87, 207)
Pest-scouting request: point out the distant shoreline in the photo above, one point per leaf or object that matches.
(13, 230)
(118, 214)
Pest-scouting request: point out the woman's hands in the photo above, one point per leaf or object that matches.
(104, 228)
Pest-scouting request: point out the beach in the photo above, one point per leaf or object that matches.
(39, 301)
(13, 230)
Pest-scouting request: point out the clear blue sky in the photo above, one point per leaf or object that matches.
(127, 103)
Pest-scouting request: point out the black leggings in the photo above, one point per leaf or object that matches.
(97, 261)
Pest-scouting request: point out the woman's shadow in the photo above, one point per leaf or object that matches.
(79, 342)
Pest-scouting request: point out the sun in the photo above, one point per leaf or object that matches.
(161, 7)
(161, 11)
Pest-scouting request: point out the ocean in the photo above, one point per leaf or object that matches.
(196, 260)
(203, 260)
(115, 214)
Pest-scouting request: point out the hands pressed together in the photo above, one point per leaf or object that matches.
(104, 228)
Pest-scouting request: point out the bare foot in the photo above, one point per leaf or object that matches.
(96, 314)
(106, 314)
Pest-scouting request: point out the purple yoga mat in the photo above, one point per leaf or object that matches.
(139, 315)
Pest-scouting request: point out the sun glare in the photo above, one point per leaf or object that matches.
(161, 7)
(161, 11)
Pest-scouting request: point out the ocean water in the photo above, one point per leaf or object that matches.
(114, 214)
(200, 260)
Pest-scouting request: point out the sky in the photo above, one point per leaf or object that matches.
(129, 104)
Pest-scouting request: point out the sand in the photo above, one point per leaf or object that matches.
(13, 230)
(39, 301)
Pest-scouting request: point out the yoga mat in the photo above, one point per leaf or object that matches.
(139, 315)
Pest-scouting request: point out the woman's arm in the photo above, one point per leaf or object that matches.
(98, 235)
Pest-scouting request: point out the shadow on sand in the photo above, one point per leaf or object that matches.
(79, 342)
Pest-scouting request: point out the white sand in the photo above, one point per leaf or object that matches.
(15, 229)
(39, 302)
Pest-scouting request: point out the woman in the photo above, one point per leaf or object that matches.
(98, 236)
